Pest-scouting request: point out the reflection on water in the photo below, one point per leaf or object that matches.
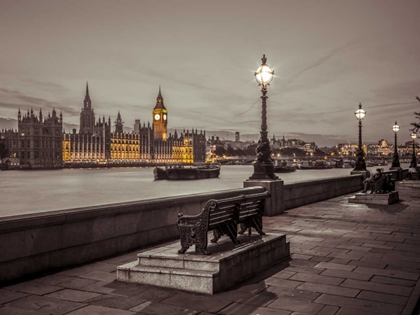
(37, 191)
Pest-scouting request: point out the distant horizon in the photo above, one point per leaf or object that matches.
(230, 135)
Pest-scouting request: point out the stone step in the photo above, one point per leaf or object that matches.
(227, 265)
(380, 199)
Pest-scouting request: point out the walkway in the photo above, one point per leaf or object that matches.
(347, 259)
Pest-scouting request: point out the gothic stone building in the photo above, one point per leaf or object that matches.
(97, 144)
(188, 147)
(37, 141)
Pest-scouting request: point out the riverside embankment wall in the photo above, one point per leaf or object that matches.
(45, 241)
(40, 242)
(306, 192)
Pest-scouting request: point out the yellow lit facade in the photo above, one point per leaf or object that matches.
(125, 147)
(66, 150)
(183, 153)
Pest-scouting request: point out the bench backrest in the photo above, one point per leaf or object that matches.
(241, 207)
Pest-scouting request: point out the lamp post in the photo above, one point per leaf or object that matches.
(395, 158)
(413, 158)
(263, 165)
(360, 164)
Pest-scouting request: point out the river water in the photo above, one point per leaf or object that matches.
(23, 192)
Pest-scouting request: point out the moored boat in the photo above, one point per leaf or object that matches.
(187, 172)
(348, 164)
(283, 167)
(315, 165)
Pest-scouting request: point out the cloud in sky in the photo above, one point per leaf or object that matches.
(328, 56)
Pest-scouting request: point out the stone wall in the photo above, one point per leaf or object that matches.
(303, 193)
(47, 241)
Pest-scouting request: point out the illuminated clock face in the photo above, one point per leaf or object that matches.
(157, 116)
(164, 116)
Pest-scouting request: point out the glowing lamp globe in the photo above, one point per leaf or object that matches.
(395, 128)
(264, 75)
(360, 113)
(413, 135)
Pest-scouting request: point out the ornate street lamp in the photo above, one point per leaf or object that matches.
(395, 158)
(263, 165)
(414, 158)
(360, 164)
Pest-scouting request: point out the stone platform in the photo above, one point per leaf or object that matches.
(378, 199)
(227, 265)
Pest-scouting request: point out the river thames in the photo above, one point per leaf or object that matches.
(23, 192)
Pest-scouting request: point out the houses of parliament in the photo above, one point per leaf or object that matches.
(41, 143)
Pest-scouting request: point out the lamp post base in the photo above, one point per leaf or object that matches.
(263, 171)
(273, 205)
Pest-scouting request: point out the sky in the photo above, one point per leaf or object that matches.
(328, 56)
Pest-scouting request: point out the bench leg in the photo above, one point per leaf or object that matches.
(201, 250)
(201, 242)
(257, 222)
(183, 249)
(244, 228)
(216, 236)
(234, 239)
(186, 240)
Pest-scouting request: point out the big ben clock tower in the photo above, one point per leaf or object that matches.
(160, 119)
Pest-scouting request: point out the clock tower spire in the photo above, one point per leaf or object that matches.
(160, 118)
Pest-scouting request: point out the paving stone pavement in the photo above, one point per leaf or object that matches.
(347, 259)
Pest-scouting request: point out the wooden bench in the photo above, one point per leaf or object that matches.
(221, 216)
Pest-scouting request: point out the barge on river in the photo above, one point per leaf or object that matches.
(185, 172)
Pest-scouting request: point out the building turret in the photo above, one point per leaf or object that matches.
(19, 115)
(87, 116)
(40, 115)
(119, 124)
(87, 101)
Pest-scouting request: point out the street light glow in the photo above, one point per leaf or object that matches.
(395, 128)
(360, 113)
(264, 75)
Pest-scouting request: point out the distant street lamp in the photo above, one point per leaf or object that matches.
(414, 158)
(264, 166)
(360, 164)
(395, 158)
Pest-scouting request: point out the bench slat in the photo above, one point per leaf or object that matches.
(221, 217)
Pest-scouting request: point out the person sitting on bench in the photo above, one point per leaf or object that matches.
(369, 182)
(411, 173)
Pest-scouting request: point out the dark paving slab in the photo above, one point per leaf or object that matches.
(8, 296)
(45, 305)
(100, 310)
(347, 259)
(152, 308)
